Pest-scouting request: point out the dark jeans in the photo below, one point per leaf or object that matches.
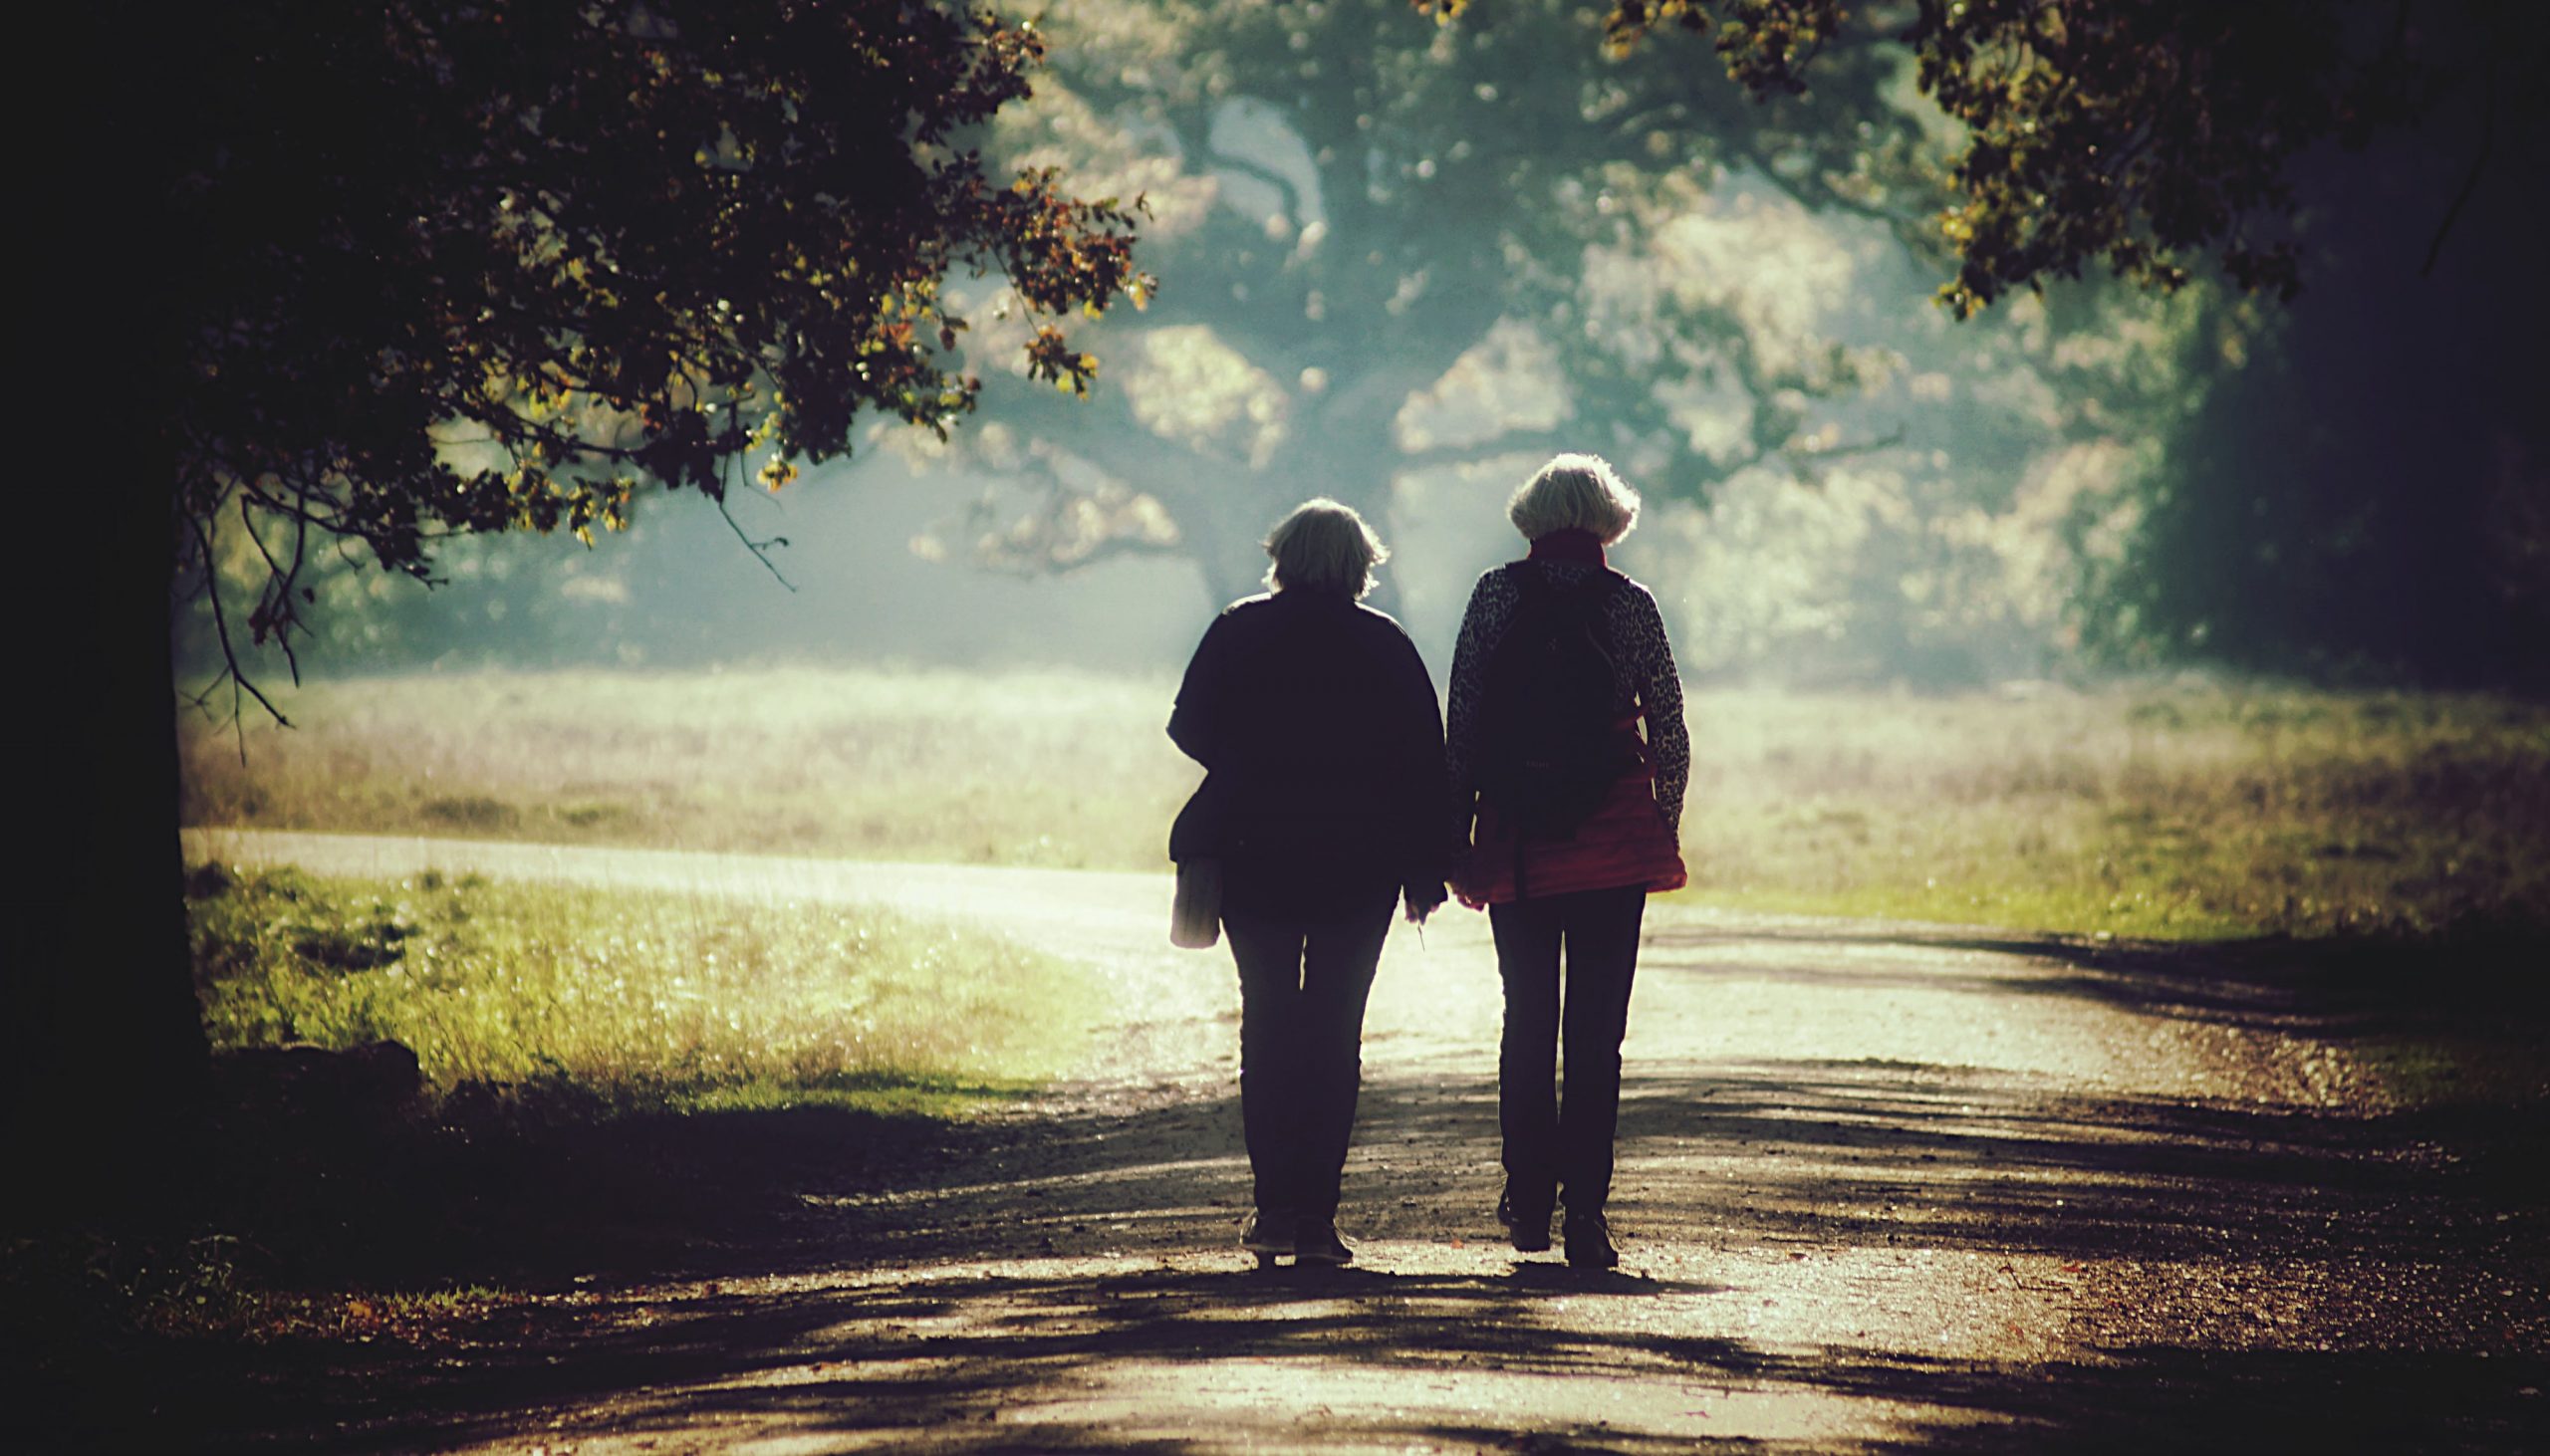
(1553, 1151)
(1303, 975)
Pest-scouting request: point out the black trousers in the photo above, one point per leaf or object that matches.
(1305, 972)
(1555, 1152)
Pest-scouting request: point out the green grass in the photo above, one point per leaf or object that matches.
(2178, 812)
(635, 1000)
(2190, 814)
(2460, 1068)
(610, 1078)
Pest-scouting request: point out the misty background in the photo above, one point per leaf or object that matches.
(1401, 278)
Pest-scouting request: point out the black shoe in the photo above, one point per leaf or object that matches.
(1589, 1242)
(1267, 1233)
(1315, 1241)
(1530, 1231)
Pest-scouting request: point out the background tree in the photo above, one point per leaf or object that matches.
(389, 273)
(1398, 248)
(1408, 258)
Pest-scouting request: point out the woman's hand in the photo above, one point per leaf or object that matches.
(1423, 898)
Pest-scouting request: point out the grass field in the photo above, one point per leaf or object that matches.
(2187, 811)
(610, 1078)
(1050, 769)
(637, 1001)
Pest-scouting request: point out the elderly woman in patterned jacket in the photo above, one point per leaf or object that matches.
(1574, 816)
(1324, 803)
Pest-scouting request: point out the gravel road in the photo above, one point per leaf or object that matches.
(1881, 1187)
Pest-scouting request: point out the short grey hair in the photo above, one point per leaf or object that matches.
(1574, 493)
(1324, 547)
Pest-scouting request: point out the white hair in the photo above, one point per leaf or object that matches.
(1324, 547)
(1574, 493)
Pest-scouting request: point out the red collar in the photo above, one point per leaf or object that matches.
(1570, 546)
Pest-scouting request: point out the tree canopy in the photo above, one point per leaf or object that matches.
(2151, 137)
(457, 266)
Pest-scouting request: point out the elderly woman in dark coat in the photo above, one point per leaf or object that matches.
(1577, 819)
(1324, 803)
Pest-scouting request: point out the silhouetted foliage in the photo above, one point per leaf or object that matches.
(2362, 491)
(461, 267)
(2144, 137)
(2357, 487)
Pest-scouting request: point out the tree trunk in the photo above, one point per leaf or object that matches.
(109, 1076)
(1350, 458)
(112, 1066)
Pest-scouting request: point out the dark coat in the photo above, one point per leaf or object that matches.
(1319, 724)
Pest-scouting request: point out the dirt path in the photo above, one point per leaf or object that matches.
(1881, 1187)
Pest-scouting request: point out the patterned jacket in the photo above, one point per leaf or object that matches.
(1618, 848)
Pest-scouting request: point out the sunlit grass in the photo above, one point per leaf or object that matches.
(2192, 811)
(633, 999)
(590, 1057)
(2180, 811)
(1060, 769)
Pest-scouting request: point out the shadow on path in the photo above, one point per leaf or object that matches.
(1811, 1244)
(974, 1364)
(1035, 1286)
(2481, 979)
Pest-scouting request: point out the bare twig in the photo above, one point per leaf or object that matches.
(202, 701)
(2478, 165)
(759, 549)
(221, 630)
(248, 524)
(279, 583)
(297, 510)
(300, 554)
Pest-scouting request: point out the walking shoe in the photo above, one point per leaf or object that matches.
(1317, 1242)
(1530, 1233)
(1267, 1233)
(1589, 1242)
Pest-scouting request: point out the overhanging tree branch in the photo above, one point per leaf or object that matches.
(239, 680)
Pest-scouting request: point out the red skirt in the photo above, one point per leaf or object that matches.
(1624, 842)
